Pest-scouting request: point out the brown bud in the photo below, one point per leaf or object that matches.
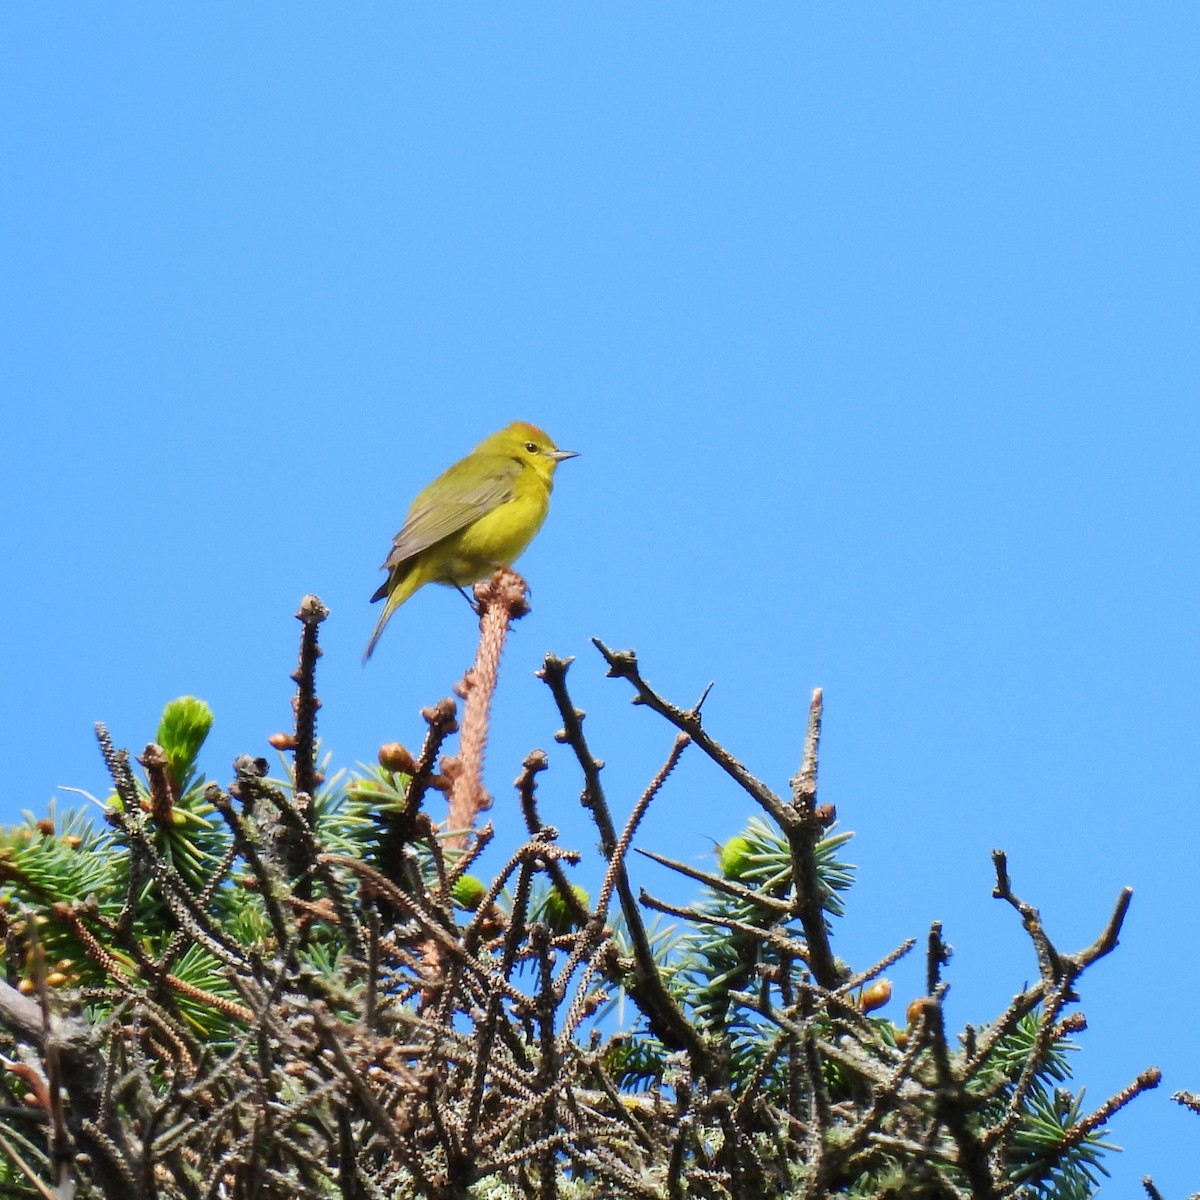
(45, 827)
(56, 979)
(493, 924)
(441, 715)
(26, 987)
(282, 741)
(826, 814)
(916, 1008)
(451, 766)
(395, 757)
(876, 996)
(593, 1003)
(1075, 1023)
(73, 840)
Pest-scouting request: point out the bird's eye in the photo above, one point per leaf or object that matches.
(531, 447)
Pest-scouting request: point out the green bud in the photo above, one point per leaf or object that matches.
(558, 914)
(181, 732)
(468, 892)
(735, 857)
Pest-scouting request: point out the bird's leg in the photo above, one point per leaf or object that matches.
(458, 587)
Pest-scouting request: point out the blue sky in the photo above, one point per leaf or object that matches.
(875, 328)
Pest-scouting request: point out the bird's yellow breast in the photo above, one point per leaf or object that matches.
(499, 536)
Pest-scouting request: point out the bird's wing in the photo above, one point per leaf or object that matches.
(451, 503)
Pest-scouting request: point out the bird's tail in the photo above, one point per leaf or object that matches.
(401, 584)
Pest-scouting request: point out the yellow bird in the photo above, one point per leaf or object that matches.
(477, 515)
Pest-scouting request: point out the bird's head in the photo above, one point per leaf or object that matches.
(531, 445)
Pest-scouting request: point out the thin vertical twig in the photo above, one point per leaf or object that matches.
(804, 831)
(305, 703)
(502, 599)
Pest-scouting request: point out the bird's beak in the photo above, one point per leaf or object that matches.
(563, 455)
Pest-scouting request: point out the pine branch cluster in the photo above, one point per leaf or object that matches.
(296, 987)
